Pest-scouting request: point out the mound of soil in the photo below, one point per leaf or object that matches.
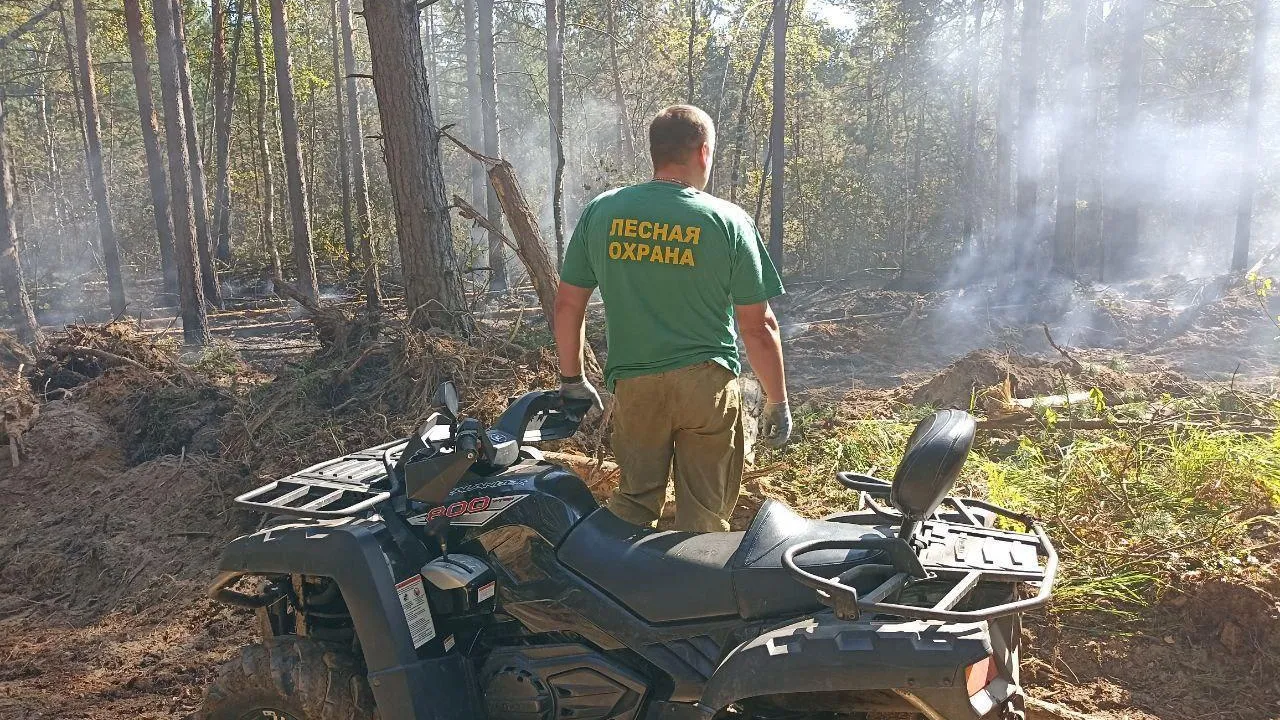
(956, 386)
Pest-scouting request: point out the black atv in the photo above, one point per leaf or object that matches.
(458, 574)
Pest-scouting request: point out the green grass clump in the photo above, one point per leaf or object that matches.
(1132, 513)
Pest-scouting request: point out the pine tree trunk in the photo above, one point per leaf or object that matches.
(474, 131)
(1006, 124)
(693, 35)
(1123, 216)
(151, 142)
(1071, 147)
(555, 106)
(777, 133)
(359, 176)
(744, 106)
(619, 98)
(215, 97)
(223, 116)
(433, 286)
(492, 147)
(304, 261)
(1249, 141)
(11, 280)
(264, 148)
(1026, 235)
(186, 256)
(199, 196)
(93, 162)
(340, 135)
(972, 226)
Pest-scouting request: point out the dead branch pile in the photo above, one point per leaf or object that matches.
(83, 352)
(18, 405)
(343, 401)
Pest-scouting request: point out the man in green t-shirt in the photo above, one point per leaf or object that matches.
(675, 267)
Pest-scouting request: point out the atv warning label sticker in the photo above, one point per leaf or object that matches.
(413, 598)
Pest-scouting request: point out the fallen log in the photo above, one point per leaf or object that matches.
(1031, 422)
(528, 243)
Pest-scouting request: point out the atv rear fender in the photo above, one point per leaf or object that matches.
(360, 557)
(923, 662)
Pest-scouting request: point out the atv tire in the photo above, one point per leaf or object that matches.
(289, 678)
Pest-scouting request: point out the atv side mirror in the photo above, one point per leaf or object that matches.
(931, 465)
(447, 397)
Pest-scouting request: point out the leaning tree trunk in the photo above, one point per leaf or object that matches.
(11, 280)
(93, 161)
(1249, 173)
(744, 106)
(555, 107)
(433, 287)
(1026, 234)
(224, 104)
(264, 148)
(492, 148)
(304, 260)
(359, 176)
(1124, 219)
(777, 132)
(186, 256)
(151, 142)
(475, 133)
(199, 196)
(1071, 145)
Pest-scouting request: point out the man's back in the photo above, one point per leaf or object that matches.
(670, 262)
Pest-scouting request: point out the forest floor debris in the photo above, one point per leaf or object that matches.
(137, 447)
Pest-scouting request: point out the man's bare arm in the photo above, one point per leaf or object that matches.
(763, 340)
(571, 327)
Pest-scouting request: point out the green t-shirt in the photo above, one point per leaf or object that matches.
(670, 262)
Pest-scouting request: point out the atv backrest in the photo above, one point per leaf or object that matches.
(931, 464)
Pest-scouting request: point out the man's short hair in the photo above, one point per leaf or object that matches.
(678, 131)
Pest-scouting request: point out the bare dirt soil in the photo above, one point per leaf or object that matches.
(114, 521)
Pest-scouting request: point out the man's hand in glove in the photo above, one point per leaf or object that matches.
(775, 426)
(578, 388)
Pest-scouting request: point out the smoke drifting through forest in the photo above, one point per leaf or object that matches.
(936, 140)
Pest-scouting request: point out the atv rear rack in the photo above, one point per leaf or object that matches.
(967, 553)
(335, 488)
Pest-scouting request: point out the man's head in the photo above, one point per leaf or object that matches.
(682, 140)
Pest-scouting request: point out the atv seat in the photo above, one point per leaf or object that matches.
(667, 576)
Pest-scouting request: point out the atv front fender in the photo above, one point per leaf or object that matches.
(922, 662)
(361, 558)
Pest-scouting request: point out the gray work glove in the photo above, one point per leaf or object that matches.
(775, 425)
(578, 388)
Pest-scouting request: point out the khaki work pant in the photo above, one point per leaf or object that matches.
(688, 420)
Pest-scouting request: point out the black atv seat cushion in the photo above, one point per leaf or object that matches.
(667, 576)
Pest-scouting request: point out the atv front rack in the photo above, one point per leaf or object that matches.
(966, 553)
(335, 488)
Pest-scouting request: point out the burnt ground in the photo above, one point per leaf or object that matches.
(115, 521)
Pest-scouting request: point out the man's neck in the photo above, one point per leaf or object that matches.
(679, 175)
